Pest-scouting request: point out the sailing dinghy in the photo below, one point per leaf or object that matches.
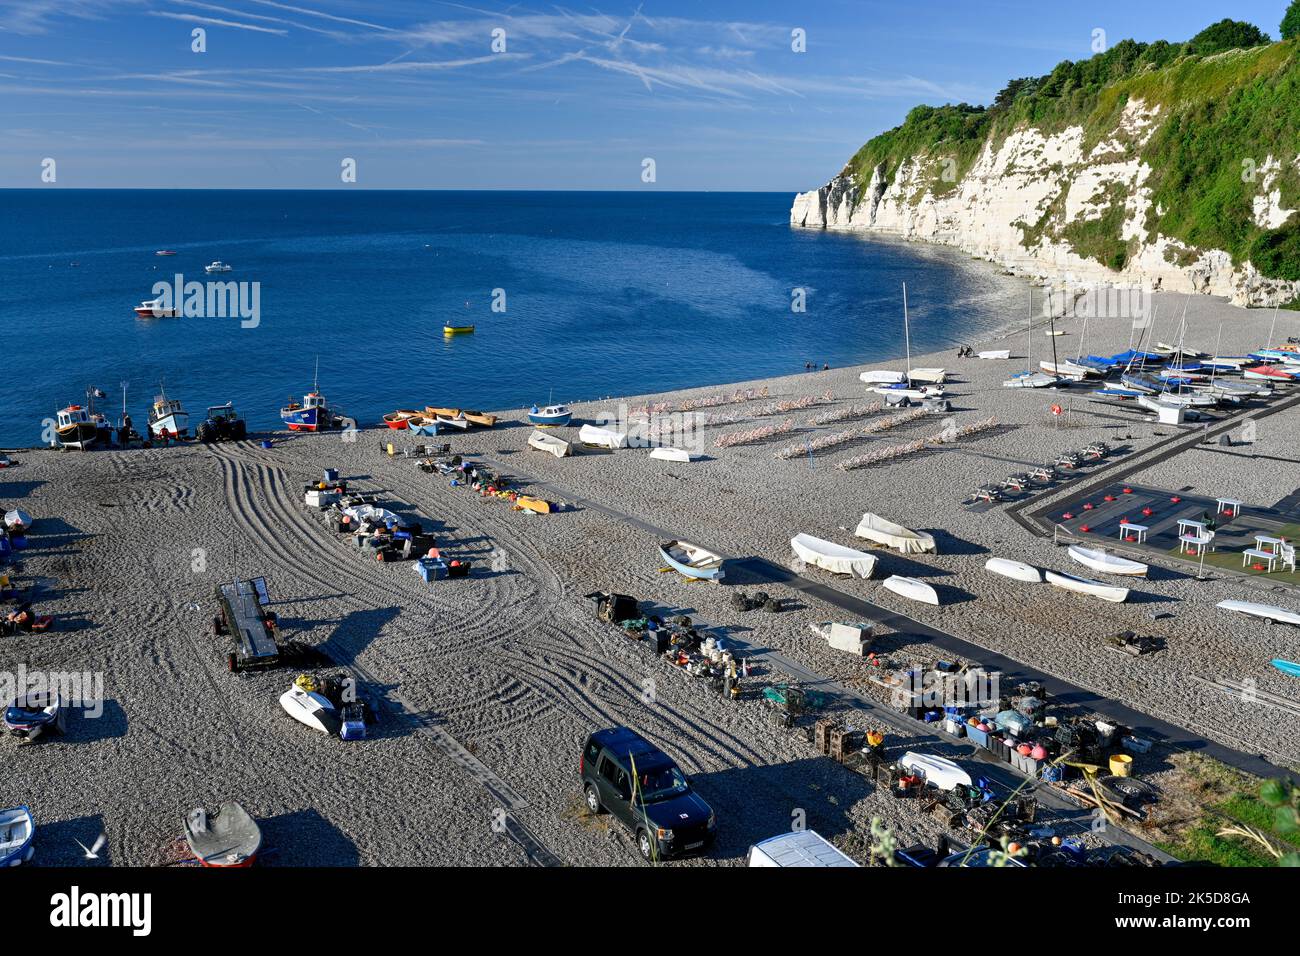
(1098, 560)
(311, 710)
(1070, 582)
(912, 589)
(891, 535)
(1267, 611)
(670, 454)
(832, 557)
(228, 837)
(692, 561)
(1017, 570)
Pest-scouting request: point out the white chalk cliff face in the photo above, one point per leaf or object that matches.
(993, 210)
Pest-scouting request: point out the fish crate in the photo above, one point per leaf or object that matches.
(842, 743)
(822, 731)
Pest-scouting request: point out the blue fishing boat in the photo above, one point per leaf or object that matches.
(17, 828)
(550, 415)
(1290, 668)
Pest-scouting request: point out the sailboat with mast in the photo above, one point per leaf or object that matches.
(1041, 379)
(907, 386)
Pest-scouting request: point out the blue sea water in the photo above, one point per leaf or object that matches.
(605, 294)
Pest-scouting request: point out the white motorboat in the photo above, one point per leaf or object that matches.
(1098, 589)
(1016, 570)
(994, 354)
(311, 710)
(155, 309)
(881, 376)
(1098, 560)
(832, 557)
(938, 771)
(1266, 611)
(601, 437)
(549, 444)
(912, 589)
(671, 454)
(216, 267)
(891, 535)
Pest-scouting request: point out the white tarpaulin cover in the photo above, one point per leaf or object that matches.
(877, 529)
(832, 557)
(604, 437)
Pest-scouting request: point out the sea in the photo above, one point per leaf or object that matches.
(574, 296)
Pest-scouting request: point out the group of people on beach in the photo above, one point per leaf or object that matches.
(812, 367)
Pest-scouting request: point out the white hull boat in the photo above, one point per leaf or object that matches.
(1016, 570)
(912, 589)
(994, 354)
(891, 535)
(1107, 592)
(1267, 611)
(549, 444)
(17, 828)
(1096, 559)
(17, 521)
(881, 376)
(453, 421)
(1032, 380)
(362, 513)
(832, 557)
(939, 771)
(311, 710)
(1075, 373)
(671, 454)
(935, 376)
(692, 561)
(601, 437)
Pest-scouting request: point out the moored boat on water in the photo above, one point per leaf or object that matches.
(154, 309)
(457, 329)
(218, 266)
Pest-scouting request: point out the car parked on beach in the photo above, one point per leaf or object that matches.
(641, 786)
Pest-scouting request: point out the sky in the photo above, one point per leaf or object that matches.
(426, 95)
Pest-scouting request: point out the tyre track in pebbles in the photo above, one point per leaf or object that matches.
(239, 489)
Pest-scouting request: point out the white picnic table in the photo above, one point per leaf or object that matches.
(1195, 542)
(1190, 526)
(1139, 530)
(1228, 504)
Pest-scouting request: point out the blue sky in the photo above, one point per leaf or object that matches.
(580, 96)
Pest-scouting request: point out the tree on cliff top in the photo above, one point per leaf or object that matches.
(1291, 21)
(1227, 35)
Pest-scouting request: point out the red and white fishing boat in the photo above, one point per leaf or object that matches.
(154, 309)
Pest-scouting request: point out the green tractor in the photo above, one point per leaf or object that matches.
(222, 424)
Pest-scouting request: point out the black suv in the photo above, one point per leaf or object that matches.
(624, 773)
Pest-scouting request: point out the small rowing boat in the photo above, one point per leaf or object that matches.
(1070, 582)
(891, 535)
(227, 838)
(692, 561)
(401, 418)
(1017, 570)
(457, 329)
(17, 828)
(912, 589)
(549, 444)
(671, 454)
(1098, 560)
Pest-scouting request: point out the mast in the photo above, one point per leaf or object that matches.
(907, 335)
(1214, 368)
(1051, 331)
(1272, 328)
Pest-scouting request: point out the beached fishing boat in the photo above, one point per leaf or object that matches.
(912, 589)
(1096, 559)
(891, 535)
(994, 354)
(482, 419)
(17, 830)
(1067, 369)
(601, 437)
(154, 309)
(401, 419)
(881, 376)
(935, 770)
(691, 560)
(422, 425)
(35, 713)
(458, 422)
(311, 710)
(1016, 570)
(74, 429)
(17, 521)
(167, 419)
(433, 411)
(314, 414)
(227, 838)
(550, 415)
(671, 454)
(935, 376)
(832, 557)
(1070, 582)
(457, 329)
(1267, 611)
(550, 444)
(1033, 380)
(1290, 668)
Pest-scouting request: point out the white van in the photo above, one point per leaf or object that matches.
(800, 848)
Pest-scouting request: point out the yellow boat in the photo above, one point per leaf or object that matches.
(456, 329)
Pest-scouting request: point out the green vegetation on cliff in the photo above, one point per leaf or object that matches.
(1228, 99)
